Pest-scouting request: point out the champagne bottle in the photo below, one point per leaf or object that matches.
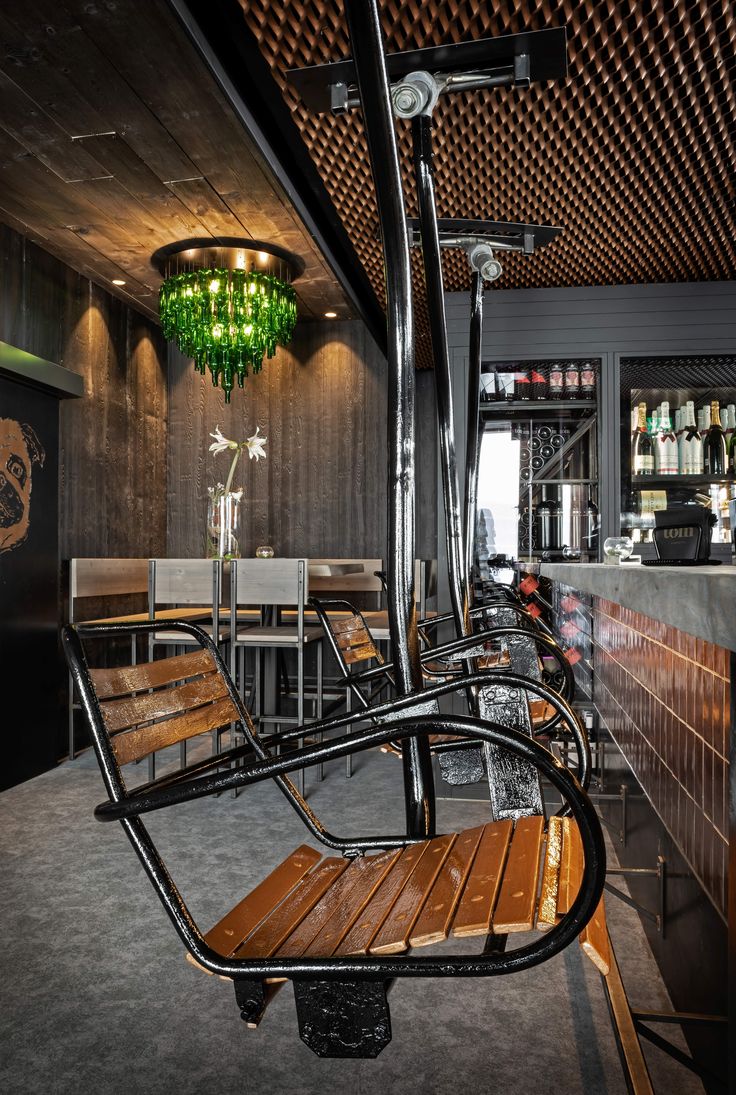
(692, 444)
(641, 446)
(714, 445)
(667, 444)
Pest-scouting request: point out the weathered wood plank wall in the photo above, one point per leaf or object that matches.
(112, 459)
(322, 489)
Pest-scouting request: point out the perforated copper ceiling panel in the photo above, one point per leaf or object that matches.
(633, 153)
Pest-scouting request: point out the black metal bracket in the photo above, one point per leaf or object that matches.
(346, 1019)
(500, 235)
(623, 798)
(487, 62)
(641, 1018)
(659, 872)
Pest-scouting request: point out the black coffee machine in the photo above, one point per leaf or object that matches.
(682, 537)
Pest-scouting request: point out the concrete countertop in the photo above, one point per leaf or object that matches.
(698, 600)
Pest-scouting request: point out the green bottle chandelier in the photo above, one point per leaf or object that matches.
(227, 303)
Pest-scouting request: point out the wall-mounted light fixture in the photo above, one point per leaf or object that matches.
(227, 303)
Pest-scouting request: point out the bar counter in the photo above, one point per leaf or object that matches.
(698, 600)
(657, 660)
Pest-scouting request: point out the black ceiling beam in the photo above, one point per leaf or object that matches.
(506, 235)
(545, 50)
(232, 54)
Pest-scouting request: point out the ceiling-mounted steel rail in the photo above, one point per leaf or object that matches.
(370, 70)
(424, 178)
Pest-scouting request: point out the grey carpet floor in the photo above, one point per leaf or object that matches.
(97, 999)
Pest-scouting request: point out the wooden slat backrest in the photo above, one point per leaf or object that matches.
(107, 577)
(270, 581)
(139, 742)
(187, 697)
(365, 581)
(124, 680)
(183, 581)
(353, 638)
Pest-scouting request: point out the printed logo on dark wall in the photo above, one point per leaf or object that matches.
(20, 449)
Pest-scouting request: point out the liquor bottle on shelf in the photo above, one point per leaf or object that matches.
(572, 380)
(714, 445)
(680, 417)
(732, 468)
(666, 446)
(549, 523)
(587, 380)
(704, 425)
(730, 426)
(590, 535)
(522, 384)
(538, 381)
(692, 447)
(556, 380)
(642, 449)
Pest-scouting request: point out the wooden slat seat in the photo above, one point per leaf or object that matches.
(480, 881)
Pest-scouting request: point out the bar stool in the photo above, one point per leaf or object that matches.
(273, 584)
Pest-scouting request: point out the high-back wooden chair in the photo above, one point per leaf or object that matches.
(341, 927)
(94, 580)
(274, 584)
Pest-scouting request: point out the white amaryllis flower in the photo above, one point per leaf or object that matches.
(255, 445)
(222, 443)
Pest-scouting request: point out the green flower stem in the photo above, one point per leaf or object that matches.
(233, 466)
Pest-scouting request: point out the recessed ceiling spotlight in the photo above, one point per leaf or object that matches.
(118, 281)
(330, 315)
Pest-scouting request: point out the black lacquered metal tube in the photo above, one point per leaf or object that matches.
(473, 424)
(370, 67)
(423, 172)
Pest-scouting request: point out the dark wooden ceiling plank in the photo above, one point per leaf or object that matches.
(216, 144)
(64, 71)
(62, 211)
(28, 124)
(207, 206)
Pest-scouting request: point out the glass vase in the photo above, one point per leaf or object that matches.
(223, 524)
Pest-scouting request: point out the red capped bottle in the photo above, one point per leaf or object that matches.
(538, 380)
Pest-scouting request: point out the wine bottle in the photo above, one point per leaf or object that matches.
(549, 519)
(587, 380)
(680, 414)
(590, 538)
(572, 380)
(556, 380)
(728, 421)
(641, 446)
(692, 444)
(714, 445)
(666, 444)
